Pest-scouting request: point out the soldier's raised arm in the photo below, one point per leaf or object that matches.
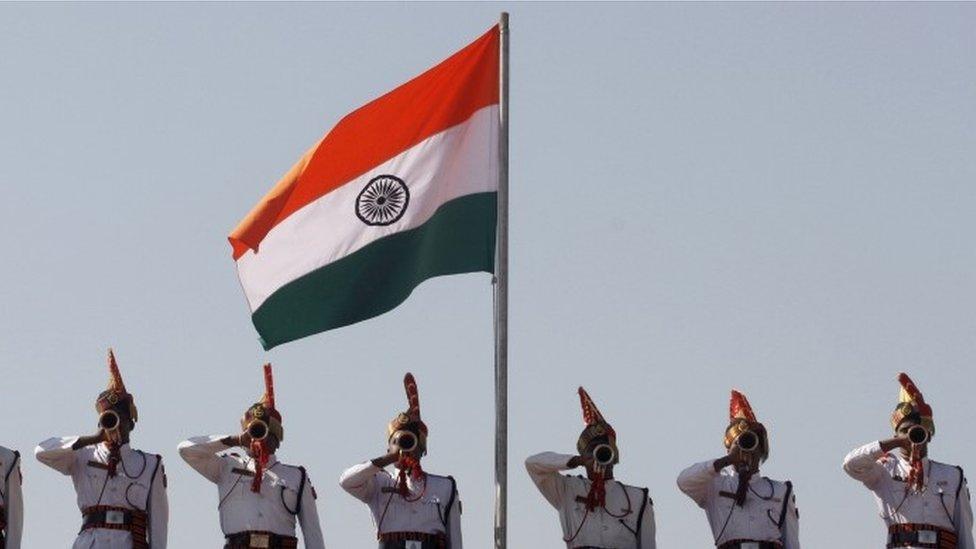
(203, 454)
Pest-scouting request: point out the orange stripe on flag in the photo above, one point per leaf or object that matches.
(440, 98)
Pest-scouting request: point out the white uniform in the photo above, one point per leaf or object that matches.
(944, 502)
(273, 509)
(10, 493)
(758, 519)
(625, 522)
(139, 484)
(423, 511)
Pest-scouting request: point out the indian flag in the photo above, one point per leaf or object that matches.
(401, 190)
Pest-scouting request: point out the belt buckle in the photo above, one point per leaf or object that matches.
(260, 541)
(749, 545)
(114, 517)
(413, 544)
(928, 536)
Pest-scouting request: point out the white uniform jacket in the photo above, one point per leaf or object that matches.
(432, 506)
(944, 502)
(626, 522)
(140, 484)
(10, 493)
(282, 498)
(768, 514)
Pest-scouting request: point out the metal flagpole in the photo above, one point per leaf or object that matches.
(501, 300)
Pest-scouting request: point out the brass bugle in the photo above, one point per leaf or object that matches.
(604, 454)
(257, 430)
(109, 420)
(918, 434)
(748, 441)
(405, 441)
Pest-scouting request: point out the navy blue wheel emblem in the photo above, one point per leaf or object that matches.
(383, 200)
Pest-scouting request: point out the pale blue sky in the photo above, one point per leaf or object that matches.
(778, 197)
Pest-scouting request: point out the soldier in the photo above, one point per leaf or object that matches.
(597, 511)
(260, 497)
(411, 508)
(11, 500)
(745, 510)
(121, 491)
(923, 502)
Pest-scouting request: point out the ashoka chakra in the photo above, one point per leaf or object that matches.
(383, 201)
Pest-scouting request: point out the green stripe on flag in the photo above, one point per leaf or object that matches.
(459, 238)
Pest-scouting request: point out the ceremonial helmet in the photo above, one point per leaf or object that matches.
(409, 420)
(116, 395)
(265, 410)
(912, 406)
(742, 418)
(595, 427)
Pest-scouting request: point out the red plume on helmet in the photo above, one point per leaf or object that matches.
(595, 424)
(591, 414)
(739, 407)
(413, 396)
(116, 391)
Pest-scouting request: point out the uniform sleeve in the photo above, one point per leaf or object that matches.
(697, 482)
(309, 518)
(648, 536)
(454, 536)
(963, 518)
(57, 454)
(862, 464)
(360, 481)
(158, 510)
(791, 525)
(202, 453)
(544, 469)
(14, 505)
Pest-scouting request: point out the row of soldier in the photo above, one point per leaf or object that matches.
(122, 491)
